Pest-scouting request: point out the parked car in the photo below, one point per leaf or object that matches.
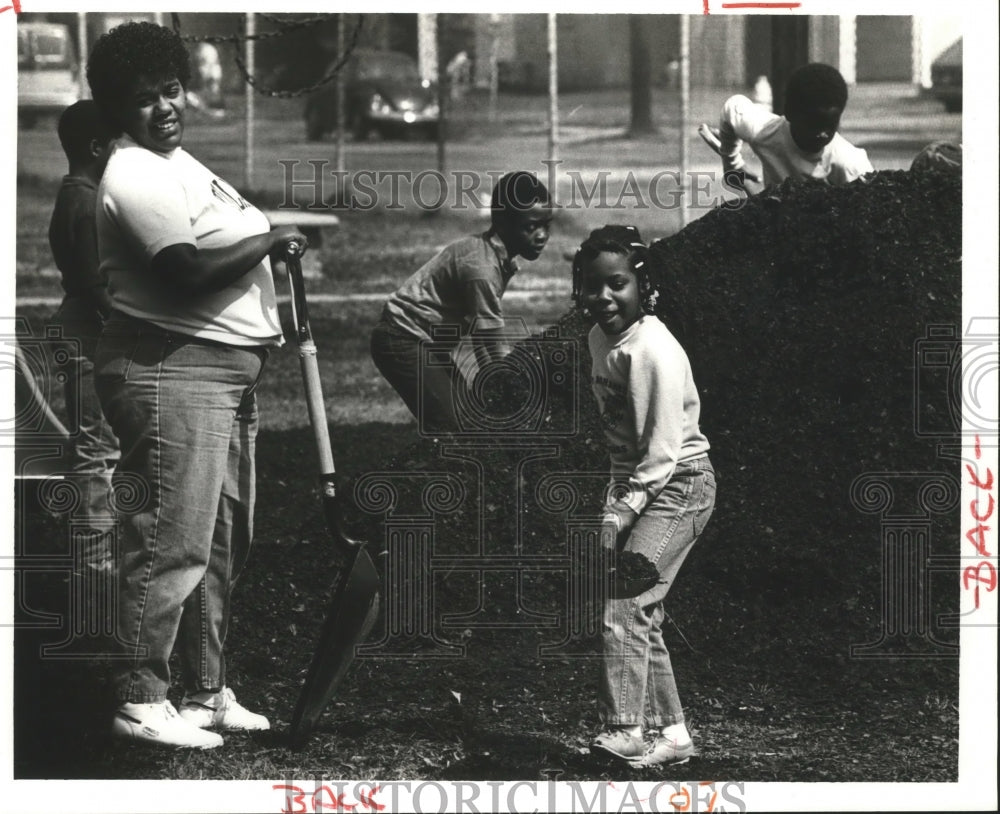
(48, 73)
(946, 77)
(384, 95)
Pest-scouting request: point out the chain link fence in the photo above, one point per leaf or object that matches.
(284, 27)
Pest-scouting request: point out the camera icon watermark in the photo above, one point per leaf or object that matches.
(955, 380)
(39, 363)
(531, 390)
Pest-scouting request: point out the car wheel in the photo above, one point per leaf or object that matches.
(953, 105)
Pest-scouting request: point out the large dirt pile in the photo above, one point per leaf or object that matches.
(801, 312)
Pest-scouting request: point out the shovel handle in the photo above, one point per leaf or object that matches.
(314, 398)
(308, 362)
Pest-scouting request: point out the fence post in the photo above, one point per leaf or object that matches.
(81, 33)
(251, 30)
(685, 89)
(553, 92)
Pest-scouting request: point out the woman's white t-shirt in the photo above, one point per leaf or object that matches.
(148, 201)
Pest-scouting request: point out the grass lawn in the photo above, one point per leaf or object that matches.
(787, 577)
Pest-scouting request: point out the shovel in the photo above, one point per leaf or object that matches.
(355, 601)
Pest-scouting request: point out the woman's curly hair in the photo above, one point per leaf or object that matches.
(128, 51)
(615, 239)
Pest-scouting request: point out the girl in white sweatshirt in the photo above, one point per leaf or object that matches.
(662, 493)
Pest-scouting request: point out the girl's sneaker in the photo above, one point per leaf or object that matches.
(666, 750)
(621, 743)
(220, 710)
(160, 724)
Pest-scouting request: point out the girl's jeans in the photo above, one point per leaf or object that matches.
(185, 415)
(637, 681)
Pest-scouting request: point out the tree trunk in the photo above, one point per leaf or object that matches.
(641, 75)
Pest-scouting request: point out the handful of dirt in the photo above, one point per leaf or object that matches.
(631, 574)
(630, 565)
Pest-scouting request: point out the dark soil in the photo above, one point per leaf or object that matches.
(800, 312)
(629, 565)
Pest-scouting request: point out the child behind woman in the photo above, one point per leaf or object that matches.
(664, 489)
(87, 141)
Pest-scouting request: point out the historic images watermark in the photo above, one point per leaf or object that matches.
(303, 797)
(315, 185)
(529, 423)
(954, 404)
(500, 477)
(89, 512)
(955, 380)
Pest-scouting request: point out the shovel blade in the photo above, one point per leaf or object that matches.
(351, 614)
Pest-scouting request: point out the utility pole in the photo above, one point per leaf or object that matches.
(553, 93)
(442, 92)
(339, 146)
(685, 92)
(81, 35)
(494, 64)
(251, 29)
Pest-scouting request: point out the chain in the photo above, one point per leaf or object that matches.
(236, 40)
(274, 18)
(286, 26)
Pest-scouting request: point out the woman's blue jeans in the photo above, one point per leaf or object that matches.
(637, 679)
(186, 418)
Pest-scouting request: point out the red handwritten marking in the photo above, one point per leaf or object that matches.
(989, 509)
(16, 6)
(298, 799)
(704, 7)
(977, 534)
(977, 537)
(988, 486)
(972, 572)
(687, 800)
(761, 5)
(335, 801)
(711, 802)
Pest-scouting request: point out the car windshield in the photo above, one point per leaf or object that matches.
(390, 67)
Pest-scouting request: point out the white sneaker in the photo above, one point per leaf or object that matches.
(221, 710)
(673, 745)
(160, 724)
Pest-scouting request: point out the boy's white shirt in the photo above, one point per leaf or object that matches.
(148, 201)
(649, 406)
(770, 137)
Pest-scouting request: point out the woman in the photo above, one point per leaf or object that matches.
(195, 314)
